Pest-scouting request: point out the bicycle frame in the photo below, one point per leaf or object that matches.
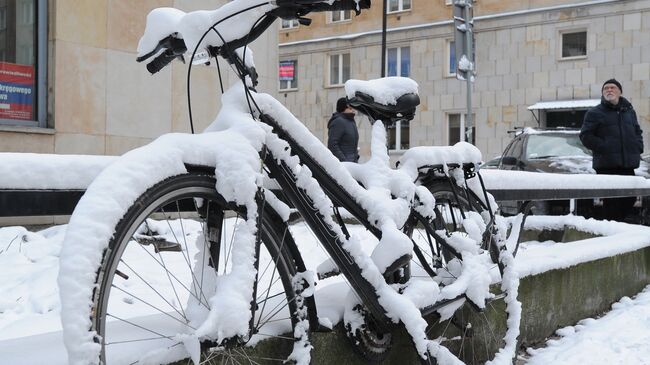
(323, 231)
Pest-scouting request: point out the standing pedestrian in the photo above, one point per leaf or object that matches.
(612, 132)
(343, 136)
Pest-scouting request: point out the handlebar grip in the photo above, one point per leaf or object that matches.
(307, 6)
(160, 62)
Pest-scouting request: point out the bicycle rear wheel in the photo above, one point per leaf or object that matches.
(167, 258)
(471, 334)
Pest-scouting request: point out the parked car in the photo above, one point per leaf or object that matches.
(555, 151)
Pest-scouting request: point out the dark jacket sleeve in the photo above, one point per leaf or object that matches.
(589, 132)
(639, 133)
(334, 134)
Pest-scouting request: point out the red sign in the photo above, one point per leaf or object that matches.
(287, 70)
(16, 91)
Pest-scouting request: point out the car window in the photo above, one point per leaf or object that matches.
(555, 145)
(515, 149)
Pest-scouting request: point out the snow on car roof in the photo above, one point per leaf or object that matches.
(530, 130)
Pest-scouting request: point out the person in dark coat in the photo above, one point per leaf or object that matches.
(343, 136)
(612, 132)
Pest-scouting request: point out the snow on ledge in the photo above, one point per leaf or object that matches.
(525, 180)
(565, 104)
(616, 239)
(49, 171)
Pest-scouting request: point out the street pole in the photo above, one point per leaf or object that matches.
(383, 38)
(470, 51)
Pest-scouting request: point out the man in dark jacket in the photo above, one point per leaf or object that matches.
(611, 131)
(343, 136)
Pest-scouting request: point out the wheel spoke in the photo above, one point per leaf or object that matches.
(152, 306)
(176, 278)
(154, 290)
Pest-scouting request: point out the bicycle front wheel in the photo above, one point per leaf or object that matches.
(165, 262)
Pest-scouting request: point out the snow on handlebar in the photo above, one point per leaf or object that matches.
(234, 22)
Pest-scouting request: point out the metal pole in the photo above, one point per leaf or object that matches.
(383, 38)
(470, 73)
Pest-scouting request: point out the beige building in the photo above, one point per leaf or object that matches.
(75, 87)
(539, 62)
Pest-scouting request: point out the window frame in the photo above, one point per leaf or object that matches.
(40, 71)
(560, 48)
(340, 57)
(448, 50)
(330, 16)
(398, 60)
(461, 126)
(294, 24)
(398, 137)
(400, 7)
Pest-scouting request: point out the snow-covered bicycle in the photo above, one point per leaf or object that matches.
(183, 249)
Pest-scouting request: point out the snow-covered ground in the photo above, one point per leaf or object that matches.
(29, 303)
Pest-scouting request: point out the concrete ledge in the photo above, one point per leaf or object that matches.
(560, 298)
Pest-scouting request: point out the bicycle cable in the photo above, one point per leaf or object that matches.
(189, 69)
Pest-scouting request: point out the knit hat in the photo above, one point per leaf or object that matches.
(341, 105)
(612, 81)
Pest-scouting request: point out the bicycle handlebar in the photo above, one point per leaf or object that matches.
(174, 47)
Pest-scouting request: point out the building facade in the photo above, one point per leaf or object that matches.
(69, 82)
(538, 63)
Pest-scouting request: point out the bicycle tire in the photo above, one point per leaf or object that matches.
(149, 295)
(481, 333)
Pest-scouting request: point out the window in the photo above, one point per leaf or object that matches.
(565, 118)
(456, 124)
(516, 149)
(398, 136)
(289, 24)
(338, 16)
(451, 51)
(574, 44)
(3, 18)
(398, 5)
(288, 75)
(339, 69)
(23, 47)
(26, 12)
(399, 61)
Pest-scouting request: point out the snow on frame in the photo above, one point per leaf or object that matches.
(377, 202)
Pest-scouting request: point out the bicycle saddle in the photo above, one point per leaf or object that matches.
(402, 110)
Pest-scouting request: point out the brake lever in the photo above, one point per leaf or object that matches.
(175, 45)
